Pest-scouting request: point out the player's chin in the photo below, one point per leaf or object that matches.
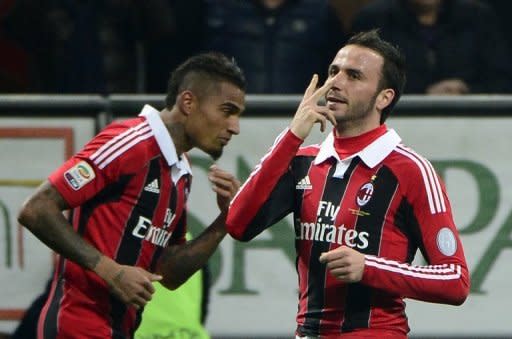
(340, 114)
(215, 153)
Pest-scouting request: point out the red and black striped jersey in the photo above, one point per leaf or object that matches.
(385, 201)
(128, 190)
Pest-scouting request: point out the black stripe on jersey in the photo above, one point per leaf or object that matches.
(109, 193)
(130, 246)
(276, 207)
(117, 311)
(358, 301)
(334, 190)
(173, 201)
(407, 223)
(301, 167)
(50, 320)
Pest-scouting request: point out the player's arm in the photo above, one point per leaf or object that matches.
(266, 196)
(444, 282)
(42, 215)
(445, 278)
(179, 262)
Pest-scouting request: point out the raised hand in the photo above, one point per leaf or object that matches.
(309, 112)
(224, 184)
(345, 263)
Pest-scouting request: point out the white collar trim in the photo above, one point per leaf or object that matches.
(165, 143)
(371, 155)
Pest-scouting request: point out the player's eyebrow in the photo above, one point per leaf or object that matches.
(231, 107)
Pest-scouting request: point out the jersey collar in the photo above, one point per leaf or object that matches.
(371, 155)
(179, 165)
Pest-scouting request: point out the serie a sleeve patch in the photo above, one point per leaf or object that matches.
(79, 175)
(446, 242)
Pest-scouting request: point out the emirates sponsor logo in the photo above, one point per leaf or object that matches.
(155, 235)
(324, 229)
(328, 232)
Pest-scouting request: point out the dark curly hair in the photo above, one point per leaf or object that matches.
(202, 71)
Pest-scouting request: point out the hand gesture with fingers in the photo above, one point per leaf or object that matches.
(309, 112)
(224, 184)
(345, 263)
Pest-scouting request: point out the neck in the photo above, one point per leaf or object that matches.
(353, 128)
(176, 130)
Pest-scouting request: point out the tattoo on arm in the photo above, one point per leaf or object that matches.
(117, 278)
(42, 215)
(179, 262)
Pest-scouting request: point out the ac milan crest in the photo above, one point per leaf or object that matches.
(364, 194)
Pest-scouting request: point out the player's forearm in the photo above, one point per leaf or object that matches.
(446, 284)
(45, 220)
(261, 186)
(178, 263)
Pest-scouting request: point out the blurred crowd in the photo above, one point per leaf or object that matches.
(129, 46)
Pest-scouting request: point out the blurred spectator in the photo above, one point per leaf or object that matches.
(503, 8)
(278, 43)
(346, 10)
(172, 31)
(95, 46)
(76, 62)
(452, 47)
(23, 46)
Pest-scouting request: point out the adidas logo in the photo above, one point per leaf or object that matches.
(152, 187)
(304, 184)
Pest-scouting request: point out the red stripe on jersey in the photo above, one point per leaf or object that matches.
(431, 181)
(310, 150)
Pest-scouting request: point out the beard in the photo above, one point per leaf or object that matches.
(215, 154)
(359, 110)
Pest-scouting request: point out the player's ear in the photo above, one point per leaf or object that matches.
(384, 98)
(186, 102)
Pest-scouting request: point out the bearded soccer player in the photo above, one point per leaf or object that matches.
(363, 204)
(127, 189)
